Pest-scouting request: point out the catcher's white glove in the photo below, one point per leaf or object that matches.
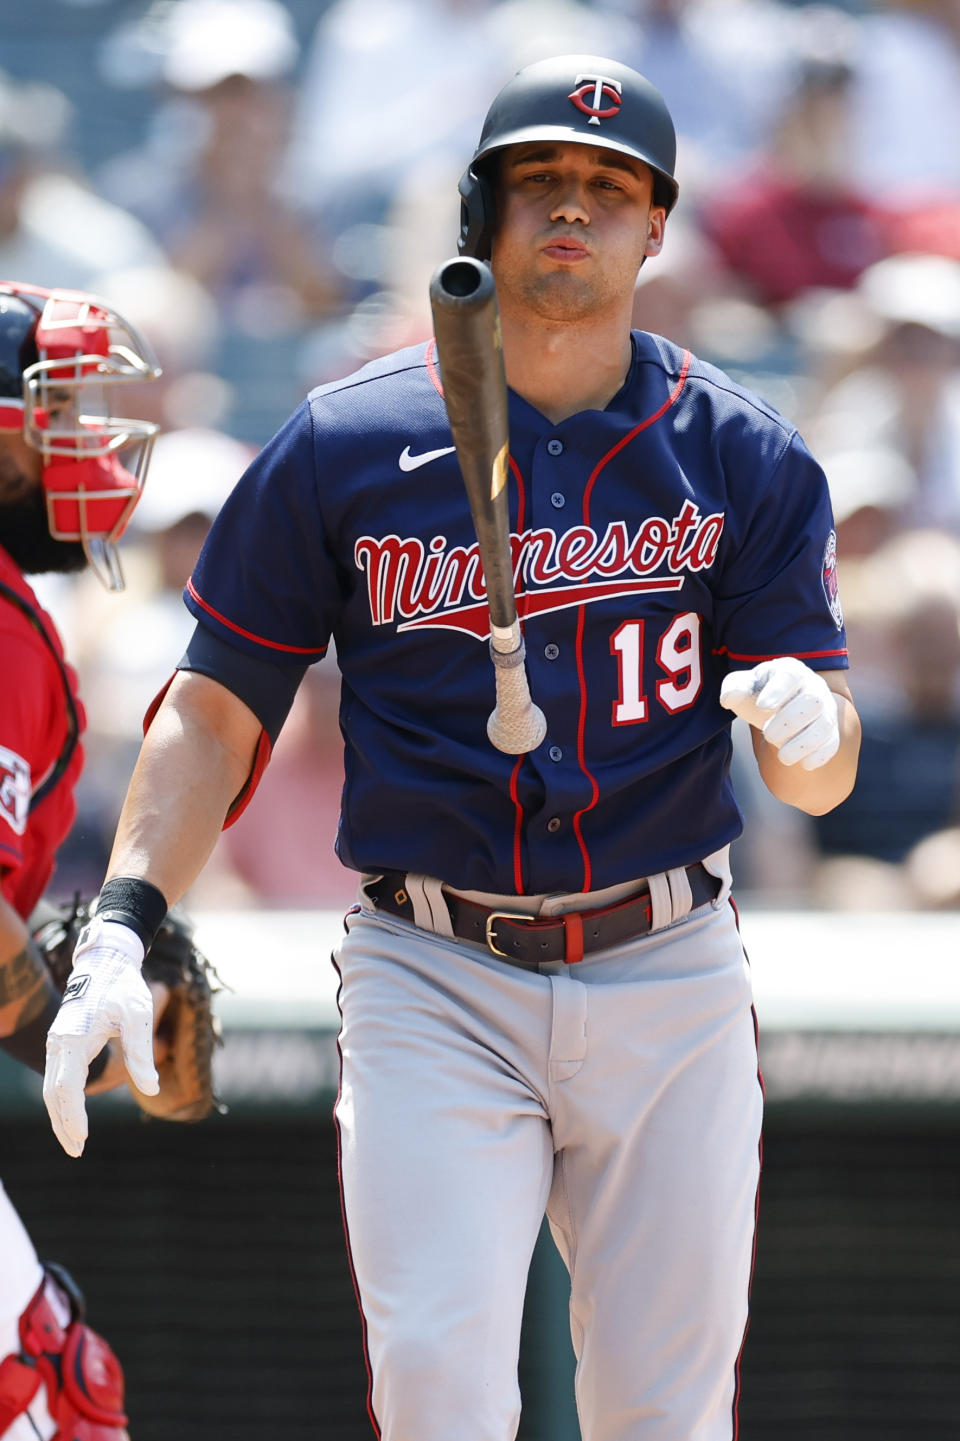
(791, 704)
(106, 996)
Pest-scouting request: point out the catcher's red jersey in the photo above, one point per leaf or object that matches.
(41, 718)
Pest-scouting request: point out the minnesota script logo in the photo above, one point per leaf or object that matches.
(420, 585)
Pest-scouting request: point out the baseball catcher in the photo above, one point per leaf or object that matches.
(72, 465)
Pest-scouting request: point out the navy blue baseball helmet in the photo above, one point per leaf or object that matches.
(581, 98)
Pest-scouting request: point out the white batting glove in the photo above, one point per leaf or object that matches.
(106, 996)
(791, 704)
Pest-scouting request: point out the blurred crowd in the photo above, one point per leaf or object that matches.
(273, 223)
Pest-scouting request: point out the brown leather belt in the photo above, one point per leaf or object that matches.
(536, 939)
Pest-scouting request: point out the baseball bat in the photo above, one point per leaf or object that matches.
(466, 322)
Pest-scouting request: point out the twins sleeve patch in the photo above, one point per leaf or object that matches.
(76, 988)
(14, 790)
(828, 579)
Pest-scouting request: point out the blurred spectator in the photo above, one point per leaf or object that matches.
(387, 83)
(793, 221)
(775, 858)
(906, 115)
(870, 487)
(933, 870)
(182, 318)
(904, 394)
(676, 290)
(206, 179)
(522, 31)
(908, 786)
(722, 66)
(54, 231)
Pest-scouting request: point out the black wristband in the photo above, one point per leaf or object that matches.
(134, 903)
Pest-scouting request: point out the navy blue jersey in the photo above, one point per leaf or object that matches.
(682, 531)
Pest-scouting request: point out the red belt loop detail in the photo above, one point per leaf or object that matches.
(573, 937)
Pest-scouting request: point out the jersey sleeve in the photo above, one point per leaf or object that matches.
(267, 689)
(265, 582)
(777, 592)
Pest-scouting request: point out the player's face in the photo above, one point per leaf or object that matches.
(575, 223)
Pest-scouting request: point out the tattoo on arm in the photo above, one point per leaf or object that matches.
(25, 989)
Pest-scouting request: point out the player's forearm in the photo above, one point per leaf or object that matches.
(194, 761)
(25, 985)
(816, 791)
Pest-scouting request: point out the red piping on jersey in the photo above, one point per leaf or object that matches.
(260, 761)
(515, 773)
(797, 654)
(581, 754)
(582, 722)
(318, 651)
(521, 495)
(432, 371)
(631, 434)
(343, 1210)
(517, 829)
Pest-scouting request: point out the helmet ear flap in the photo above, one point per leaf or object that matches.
(477, 214)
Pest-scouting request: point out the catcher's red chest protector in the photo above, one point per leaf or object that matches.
(41, 720)
(82, 1376)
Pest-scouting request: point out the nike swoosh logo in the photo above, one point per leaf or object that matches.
(413, 462)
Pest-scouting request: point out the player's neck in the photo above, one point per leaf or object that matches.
(565, 368)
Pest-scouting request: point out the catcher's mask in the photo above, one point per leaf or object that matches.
(579, 98)
(63, 355)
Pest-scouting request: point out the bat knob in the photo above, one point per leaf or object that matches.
(515, 732)
(516, 725)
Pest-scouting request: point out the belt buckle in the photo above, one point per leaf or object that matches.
(502, 916)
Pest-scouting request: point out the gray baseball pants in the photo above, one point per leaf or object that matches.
(621, 1096)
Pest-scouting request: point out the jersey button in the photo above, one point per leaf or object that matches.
(556, 754)
(557, 500)
(555, 447)
(553, 824)
(551, 651)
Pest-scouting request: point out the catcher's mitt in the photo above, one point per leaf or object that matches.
(187, 1025)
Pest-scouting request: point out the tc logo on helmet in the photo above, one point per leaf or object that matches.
(598, 88)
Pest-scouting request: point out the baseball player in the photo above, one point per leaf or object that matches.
(544, 996)
(70, 474)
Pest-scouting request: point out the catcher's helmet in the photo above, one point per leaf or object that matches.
(62, 353)
(579, 98)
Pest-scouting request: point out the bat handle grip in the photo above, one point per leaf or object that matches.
(516, 725)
